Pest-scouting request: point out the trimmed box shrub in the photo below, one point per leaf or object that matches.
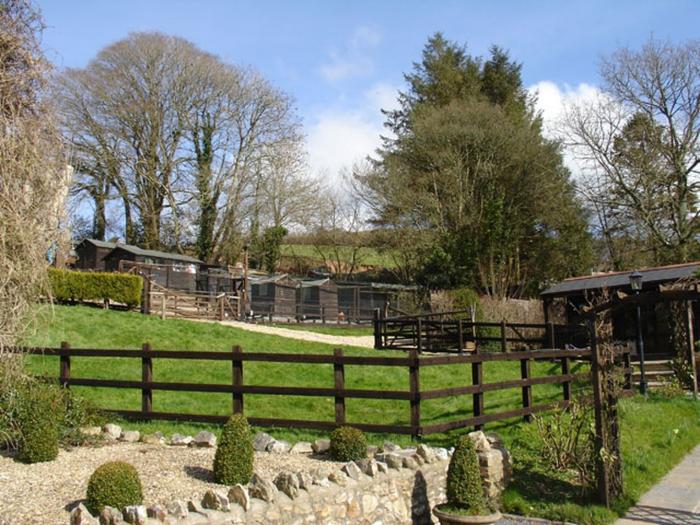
(465, 492)
(38, 413)
(233, 460)
(348, 444)
(114, 484)
(68, 285)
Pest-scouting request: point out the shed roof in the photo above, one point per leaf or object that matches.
(144, 253)
(657, 275)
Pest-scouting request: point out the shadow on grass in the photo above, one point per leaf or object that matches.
(535, 485)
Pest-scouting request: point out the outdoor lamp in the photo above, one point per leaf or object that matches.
(636, 284)
(636, 281)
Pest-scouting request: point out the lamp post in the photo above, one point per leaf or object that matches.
(636, 284)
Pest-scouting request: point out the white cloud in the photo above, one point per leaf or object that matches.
(552, 100)
(353, 60)
(342, 136)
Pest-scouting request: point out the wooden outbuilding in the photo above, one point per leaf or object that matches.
(272, 295)
(90, 254)
(564, 302)
(317, 299)
(358, 301)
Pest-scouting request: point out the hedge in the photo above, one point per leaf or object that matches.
(67, 285)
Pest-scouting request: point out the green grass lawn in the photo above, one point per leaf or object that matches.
(329, 329)
(367, 256)
(651, 444)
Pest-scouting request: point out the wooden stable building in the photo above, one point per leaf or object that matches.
(317, 299)
(564, 302)
(272, 296)
(357, 301)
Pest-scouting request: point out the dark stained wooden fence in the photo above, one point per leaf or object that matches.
(458, 332)
(414, 396)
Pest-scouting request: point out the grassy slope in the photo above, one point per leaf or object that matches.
(367, 256)
(650, 444)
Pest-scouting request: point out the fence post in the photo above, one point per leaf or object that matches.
(478, 397)
(504, 341)
(377, 330)
(162, 305)
(627, 362)
(221, 308)
(419, 335)
(602, 478)
(65, 366)
(460, 335)
(323, 315)
(339, 377)
(527, 389)
(566, 385)
(237, 379)
(146, 377)
(414, 386)
(550, 336)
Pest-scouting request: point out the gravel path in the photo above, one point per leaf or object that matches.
(42, 493)
(363, 341)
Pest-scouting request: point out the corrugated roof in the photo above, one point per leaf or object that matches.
(657, 275)
(144, 253)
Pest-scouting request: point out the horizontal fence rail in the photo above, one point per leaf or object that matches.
(414, 395)
(447, 332)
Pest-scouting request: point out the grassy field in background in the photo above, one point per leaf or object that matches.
(367, 256)
(656, 433)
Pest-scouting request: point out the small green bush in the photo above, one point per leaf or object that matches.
(38, 412)
(233, 461)
(348, 444)
(115, 484)
(464, 488)
(78, 413)
(67, 285)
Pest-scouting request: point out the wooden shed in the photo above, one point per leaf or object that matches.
(91, 253)
(564, 301)
(317, 299)
(272, 295)
(357, 301)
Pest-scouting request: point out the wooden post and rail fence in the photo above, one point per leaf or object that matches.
(414, 396)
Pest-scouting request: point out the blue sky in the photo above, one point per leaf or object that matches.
(343, 61)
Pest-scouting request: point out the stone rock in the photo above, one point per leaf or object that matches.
(80, 515)
(157, 512)
(135, 514)
(216, 500)
(369, 503)
(321, 446)
(195, 506)
(239, 494)
(178, 440)
(91, 431)
(352, 470)
(372, 450)
(410, 462)
(111, 516)
(302, 447)
(278, 447)
(177, 508)
(261, 441)
(481, 444)
(392, 460)
(382, 467)
(305, 480)
(494, 440)
(130, 436)
(288, 483)
(338, 477)
(427, 453)
(496, 470)
(441, 454)
(204, 439)
(368, 466)
(156, 438)
(388, 446)
(112, 432)
(262, 488)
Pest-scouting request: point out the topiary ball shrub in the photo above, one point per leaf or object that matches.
(348, 444)
(233, 461)
(115, 484)
(465, 492)
(38, 415)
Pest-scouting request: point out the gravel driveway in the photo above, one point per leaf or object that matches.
(43, 492)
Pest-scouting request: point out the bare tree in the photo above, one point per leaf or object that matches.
(33, 173)
(640, 145)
